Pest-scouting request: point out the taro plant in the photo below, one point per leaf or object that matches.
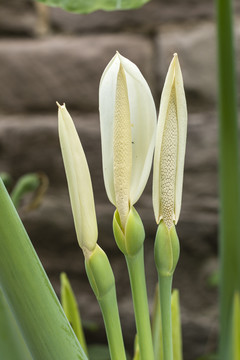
(33, 322)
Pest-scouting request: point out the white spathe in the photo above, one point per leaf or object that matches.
(79, 182)
(170, 148)
(123, 90)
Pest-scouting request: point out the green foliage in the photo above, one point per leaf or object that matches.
(87, 6)
(176, 327)
(12, 343)
(70, 308)
(236, 327)
(99, 352)
(29, 293)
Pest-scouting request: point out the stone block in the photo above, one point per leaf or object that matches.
(17, 17)
(145, 19)
(36, 73)
(195, 44)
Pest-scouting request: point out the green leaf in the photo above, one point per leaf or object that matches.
(236, 326)
(70, 308)
(29, 293)
(87, 6)
(12, 344)
(99, 352)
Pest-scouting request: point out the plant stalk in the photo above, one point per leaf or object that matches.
(165, 290)
(229, 173)
(109, 308)
(140, 302)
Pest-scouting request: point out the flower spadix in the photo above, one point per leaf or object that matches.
(128, 122)
(170, 148)
(79, 182)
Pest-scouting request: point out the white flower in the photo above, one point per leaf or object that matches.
(128, 123)
(170, 148)
(79, 182)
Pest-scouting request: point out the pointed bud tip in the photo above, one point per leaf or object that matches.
(63, 106)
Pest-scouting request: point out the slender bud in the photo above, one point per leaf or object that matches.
(170, 148)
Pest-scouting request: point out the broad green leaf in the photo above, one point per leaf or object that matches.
(87, 6)
(70, 308)
(29, 293)
(12, 343)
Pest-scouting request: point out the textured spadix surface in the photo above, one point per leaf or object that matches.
(79, 181)
(128, 122)
(170, 148)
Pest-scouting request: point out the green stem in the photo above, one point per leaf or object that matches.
(109, 308)
(165, 290)
(101, 278)
(140, 301)
(27, 183)
(229, 173)
(29, 293)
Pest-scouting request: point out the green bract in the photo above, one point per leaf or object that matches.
(132, 240)
(166, 249)
(87, 6)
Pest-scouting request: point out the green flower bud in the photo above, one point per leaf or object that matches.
(166, 249)
(130, 241)
(99, 272)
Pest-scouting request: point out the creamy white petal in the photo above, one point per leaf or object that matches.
(170, 148)
(143, 125)
(182, 131)
(143, 119)
(107, 95)
(79, 181)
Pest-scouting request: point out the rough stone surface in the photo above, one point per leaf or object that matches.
(196, 47)
(17, 17)
(36, 73)
(145, 19)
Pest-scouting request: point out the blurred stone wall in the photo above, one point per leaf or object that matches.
(48, 55)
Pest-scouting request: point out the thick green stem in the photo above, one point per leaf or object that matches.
(140, 301)
(109, 308)
(229, 173)
(102, 281)
(29, 293)
(165, 291)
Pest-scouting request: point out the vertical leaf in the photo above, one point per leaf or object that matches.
(12, 343)
(236, 326)
(229, 173)
(28, 291)
(70, 308)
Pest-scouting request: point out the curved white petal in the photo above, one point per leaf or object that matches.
(143, 125)
(143, 120)
(107, 94)
(170, 147)
(182, 131)
(79, 181)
